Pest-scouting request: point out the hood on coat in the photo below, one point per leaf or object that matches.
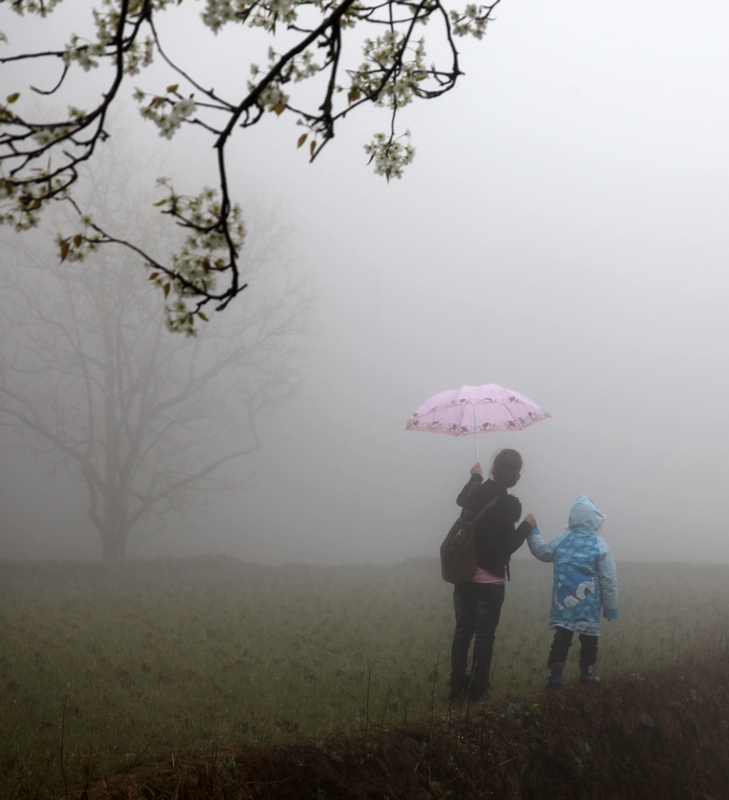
(584, 515)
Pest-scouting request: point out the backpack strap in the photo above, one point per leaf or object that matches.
(488, 505)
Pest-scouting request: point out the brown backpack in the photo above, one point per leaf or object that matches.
(458, 550)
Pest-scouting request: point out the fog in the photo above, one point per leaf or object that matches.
(561, 232)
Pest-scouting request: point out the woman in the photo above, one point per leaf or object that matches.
(478, 603)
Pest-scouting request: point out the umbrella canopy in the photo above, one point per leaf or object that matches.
(476, 409)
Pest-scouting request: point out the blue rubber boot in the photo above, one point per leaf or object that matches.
(554, 678)
(586, 673)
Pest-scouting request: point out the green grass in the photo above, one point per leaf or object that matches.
(105, 664)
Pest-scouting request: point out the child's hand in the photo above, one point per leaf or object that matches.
(531, 520)
(476, 469)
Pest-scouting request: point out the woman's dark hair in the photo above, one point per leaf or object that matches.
(506, 468)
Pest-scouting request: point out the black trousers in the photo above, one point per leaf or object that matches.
(478, 609)
(562, 642)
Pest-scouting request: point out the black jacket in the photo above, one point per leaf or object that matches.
(496, 534)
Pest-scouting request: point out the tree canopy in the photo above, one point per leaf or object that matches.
(326, 59)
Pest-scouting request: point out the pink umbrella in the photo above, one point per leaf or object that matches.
(474, 410)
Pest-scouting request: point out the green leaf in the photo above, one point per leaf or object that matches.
(302, 139)
(11, 98)
(173, 88)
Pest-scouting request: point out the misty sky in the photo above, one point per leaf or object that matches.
(562, 232)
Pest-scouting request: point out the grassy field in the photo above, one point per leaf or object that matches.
(104, 665)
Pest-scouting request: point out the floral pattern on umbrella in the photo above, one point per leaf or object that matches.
(476, 409)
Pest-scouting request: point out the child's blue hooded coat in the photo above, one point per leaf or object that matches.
(585, 576)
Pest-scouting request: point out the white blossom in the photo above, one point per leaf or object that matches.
(389, 155)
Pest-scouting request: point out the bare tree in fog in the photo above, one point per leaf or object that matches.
(319, 63)
(91, 379)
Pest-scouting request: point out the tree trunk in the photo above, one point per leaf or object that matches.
(114, 544)
(115, 530)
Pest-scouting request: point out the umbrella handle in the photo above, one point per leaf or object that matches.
(475, 435)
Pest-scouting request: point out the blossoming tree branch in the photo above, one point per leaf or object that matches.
(326, 59)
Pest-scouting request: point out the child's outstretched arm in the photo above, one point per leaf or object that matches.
(540, 549)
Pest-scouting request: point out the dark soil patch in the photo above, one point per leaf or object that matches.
(662, 734)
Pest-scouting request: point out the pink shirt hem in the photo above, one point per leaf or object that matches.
(481, 576)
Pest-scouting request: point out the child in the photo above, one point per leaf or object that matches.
(585, 579)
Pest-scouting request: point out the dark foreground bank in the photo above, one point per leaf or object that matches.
(663, 733)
